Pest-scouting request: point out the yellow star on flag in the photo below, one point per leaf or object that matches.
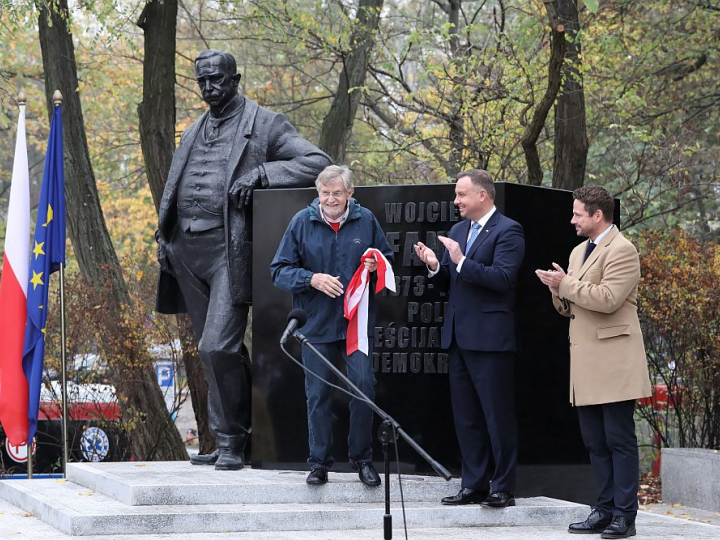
(37, 250)
(43, 331)
(49, 216)
(36, 279)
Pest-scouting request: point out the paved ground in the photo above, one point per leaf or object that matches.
(684, 513)
(658, 522)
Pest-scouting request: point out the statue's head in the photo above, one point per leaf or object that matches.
(217, 76)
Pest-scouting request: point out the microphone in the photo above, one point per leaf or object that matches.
(296, 319)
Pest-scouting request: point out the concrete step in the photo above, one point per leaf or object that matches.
(77, 510)
(176, 482)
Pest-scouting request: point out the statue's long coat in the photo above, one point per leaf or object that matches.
(265, 140)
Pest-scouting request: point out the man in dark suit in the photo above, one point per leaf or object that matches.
(480, 265)
(205, 238)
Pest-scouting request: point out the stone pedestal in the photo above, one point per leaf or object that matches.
(104, 499)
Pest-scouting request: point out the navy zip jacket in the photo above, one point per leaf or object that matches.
(311, 246)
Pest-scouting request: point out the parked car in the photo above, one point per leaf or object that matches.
(94, 432)
(94, 427)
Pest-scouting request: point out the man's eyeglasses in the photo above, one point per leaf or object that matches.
(335, 194)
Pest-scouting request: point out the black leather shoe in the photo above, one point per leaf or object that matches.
(205, 459)
(466, 496)
(499, 499)
(367, 473)
(229, 460)
(621, 527)
(316, 477)
(595, 523)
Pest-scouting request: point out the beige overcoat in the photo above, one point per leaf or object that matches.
(607, 355)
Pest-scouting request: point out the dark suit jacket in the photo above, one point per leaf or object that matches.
(266, 141)
(481, 306)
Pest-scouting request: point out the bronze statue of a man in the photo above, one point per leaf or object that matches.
(205, 235)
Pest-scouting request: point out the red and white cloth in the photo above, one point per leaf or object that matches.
(13, 297)
(357, 298)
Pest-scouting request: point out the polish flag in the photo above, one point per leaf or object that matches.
(357, 298)
(13, 297)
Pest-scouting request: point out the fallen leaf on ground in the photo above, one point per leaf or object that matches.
(650, 491)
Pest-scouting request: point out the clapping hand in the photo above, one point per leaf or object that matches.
(552, 278)
(453, 248)
(426, 255)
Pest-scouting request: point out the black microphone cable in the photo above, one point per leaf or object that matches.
(311, 372)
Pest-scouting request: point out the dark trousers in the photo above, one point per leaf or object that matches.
(482, 391)
(201, 269)
(319, 404)
(608, 431)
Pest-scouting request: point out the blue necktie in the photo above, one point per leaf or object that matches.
(589, 250)
(473, 236)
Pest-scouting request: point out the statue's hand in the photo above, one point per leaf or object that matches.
(162, 255)
(241, 190)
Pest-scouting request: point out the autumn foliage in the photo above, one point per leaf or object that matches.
(680, 316)
(94, 328)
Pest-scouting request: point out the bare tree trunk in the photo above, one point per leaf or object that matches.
(337, 125)
(571, 142)
(157, 109)
(157, 137)
(456, 121)
(534, 128)
(152, 431)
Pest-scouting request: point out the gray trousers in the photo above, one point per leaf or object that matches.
(201, 269)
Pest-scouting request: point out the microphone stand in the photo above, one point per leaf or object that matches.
(387, 434)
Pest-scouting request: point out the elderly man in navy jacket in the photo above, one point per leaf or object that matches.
(480, 266)
(317, 257)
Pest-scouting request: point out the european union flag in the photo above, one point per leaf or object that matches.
(47, 254)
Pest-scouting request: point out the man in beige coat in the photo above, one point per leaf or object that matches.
(608, 367)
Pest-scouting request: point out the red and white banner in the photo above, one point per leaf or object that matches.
(357, 298)
(13, 297)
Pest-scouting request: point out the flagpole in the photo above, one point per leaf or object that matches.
(64, 370)
(57, 102)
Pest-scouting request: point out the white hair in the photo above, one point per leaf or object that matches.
(331, 173)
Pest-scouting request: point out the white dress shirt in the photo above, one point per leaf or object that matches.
(602, 235)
